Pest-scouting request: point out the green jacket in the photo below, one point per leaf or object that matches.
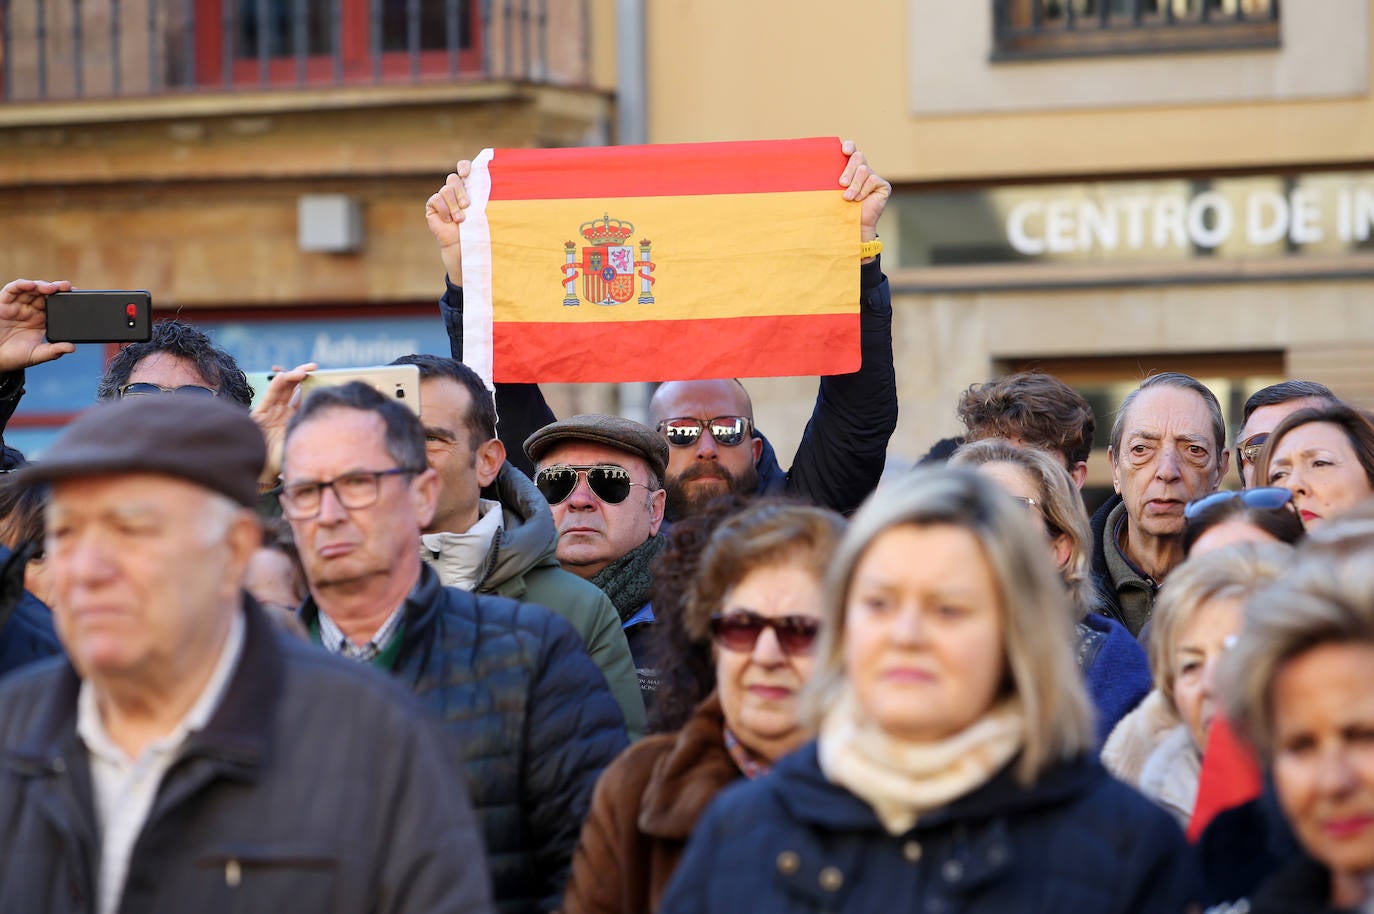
(521, 564)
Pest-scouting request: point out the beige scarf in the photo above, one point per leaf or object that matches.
(902, 780)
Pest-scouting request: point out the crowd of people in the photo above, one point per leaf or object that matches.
(336, 654)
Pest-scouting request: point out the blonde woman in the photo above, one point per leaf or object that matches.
(1115, 668)
(953, 769)
(1198, 613)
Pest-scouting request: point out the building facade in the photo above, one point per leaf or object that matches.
(1102, 188)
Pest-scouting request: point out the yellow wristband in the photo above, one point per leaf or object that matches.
(870, 248)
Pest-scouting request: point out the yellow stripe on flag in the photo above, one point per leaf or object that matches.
(713, 256)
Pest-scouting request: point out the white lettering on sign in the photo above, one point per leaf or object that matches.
(351, 350)
(1207, 220)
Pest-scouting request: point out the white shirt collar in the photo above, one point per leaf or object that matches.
(91, 727)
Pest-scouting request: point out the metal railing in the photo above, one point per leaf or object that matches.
(1026, 28)
(71, 49)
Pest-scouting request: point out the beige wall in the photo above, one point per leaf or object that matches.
(202, 208)
(718, 72)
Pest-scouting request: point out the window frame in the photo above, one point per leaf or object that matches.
(353, 61)
(1019, 32)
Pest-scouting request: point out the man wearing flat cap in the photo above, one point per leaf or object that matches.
(603, 478)
(188, 757)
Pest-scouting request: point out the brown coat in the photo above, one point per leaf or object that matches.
(645, 806)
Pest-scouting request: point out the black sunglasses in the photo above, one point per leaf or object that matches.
(684, 431)
(739, 631)
(145, 389)
(608, 482)
(1264, 498)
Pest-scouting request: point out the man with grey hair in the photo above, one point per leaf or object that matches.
(185, 755)
(1168, 447)
(512, 682)
(1263, 412)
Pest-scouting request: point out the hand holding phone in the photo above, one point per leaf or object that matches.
(23, 319)
(117, 316)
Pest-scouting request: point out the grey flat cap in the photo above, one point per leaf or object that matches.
(211, 443)
(612, 431)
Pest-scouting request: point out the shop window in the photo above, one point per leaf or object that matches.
(1064, 28)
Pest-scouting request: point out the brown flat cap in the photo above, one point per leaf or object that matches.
(613, 431)
(208, 442)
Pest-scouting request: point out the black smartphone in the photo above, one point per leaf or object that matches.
(90, 316)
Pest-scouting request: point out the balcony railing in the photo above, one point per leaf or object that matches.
(1059, 28)
(70, 49)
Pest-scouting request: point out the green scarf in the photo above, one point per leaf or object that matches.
(627, 580)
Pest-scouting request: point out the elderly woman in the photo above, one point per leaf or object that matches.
(953, 769)
(1324, 456)
(1197, 614)
(1264, 514)
(1300, 686)
(1115, 668)
(757, 594)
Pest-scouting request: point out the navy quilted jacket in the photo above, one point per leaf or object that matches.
(534, 718)
(1075, 841)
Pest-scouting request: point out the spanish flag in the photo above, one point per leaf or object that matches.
(655, 263)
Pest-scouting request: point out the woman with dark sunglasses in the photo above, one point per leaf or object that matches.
(757, 594)
(954, 766)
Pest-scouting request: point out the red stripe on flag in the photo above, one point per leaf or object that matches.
(684, 350)
(681, 169)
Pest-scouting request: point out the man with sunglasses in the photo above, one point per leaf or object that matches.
(1264, 410)
(603, 479)
(177, 358)
(532, 715)
(843, 448)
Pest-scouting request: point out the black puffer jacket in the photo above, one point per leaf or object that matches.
(844, 447)
(534, 719)
(317, 787)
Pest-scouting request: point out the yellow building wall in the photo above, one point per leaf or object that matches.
(725, 70)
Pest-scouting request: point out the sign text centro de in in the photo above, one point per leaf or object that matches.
(1208, 219)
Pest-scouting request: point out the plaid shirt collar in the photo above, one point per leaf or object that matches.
(751, 765)
(336, 642)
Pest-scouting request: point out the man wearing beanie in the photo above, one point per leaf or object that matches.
(186, 757)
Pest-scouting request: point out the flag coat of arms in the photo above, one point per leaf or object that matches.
(656, 263)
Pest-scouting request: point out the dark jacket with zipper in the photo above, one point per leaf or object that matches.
(844, 446)
(316, 786)
(533, 718)
(1076, 840)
